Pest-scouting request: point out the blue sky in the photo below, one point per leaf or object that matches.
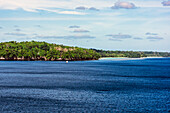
(102, 24)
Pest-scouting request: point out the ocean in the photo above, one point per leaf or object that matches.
(101, 86)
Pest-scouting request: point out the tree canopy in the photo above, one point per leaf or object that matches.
(131, 54)
(44, 51)
(33, 50)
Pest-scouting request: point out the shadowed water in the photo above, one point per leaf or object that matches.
(85, 86)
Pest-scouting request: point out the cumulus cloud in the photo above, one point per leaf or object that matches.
(119, 36)
(155, 38)
(15, 34)
(81, 8)
(124, 5)
(80, 31)
(86, 8)
(93, 9)
(137, 38)
(166, 3)
(67, 37)
(148, 33)
(74, 26)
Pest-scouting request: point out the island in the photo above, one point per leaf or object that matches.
(43, 51)
(33, 51)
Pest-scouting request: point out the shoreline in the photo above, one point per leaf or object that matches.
(25, 59)
(102, 58)
(126, 58)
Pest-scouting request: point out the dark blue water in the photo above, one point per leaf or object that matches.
(102, 86)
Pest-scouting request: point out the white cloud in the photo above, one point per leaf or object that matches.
(81, 8)
(74, 26)
(119, 36)
(166, 3)
(15, 34)
(17, 29)
(81, 31)
(94, 18)
(93, 9)
(34, 5)
(155, 38)
(71, 12)
(63, 12)
(67, 37)
(124, 5)
(138, 38)
(148, 33)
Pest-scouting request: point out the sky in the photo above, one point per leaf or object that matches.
(138, 25)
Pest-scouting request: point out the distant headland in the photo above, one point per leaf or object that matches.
(43, 51)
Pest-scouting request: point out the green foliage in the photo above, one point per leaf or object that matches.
(131, 54)
(44, 51)
(157, 54)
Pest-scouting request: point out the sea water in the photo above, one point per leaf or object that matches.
(103, 86)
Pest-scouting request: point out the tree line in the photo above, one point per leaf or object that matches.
(34, 50)
(131, 54)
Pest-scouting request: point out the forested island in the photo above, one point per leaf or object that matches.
(33, 50)
(30, 51)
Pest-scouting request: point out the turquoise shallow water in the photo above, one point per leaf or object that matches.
(85, 86)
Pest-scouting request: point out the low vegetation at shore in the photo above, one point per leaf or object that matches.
(34, 50)
(129, 54)
(132, 54)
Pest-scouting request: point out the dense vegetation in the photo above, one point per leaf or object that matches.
(158, 54)
(131, 54)
(43, 51)
(50, 52)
